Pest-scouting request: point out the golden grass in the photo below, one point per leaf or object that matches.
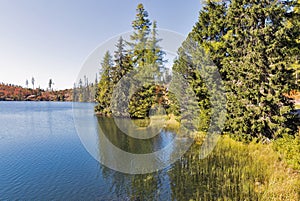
(172, 123)
(274, 179)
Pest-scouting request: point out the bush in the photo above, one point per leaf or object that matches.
(289, 149)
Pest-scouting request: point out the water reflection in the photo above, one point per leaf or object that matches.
(123, 153)
(222, 175)
(129, 144)
(151, 186)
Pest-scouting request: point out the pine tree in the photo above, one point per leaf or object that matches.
(249, 43)
(210, 29)
(186, 67)
(154, 57)
(32, 82)
(258, 68)
(141, 26)
(123, 65)
(142, 100)
(294, 26)
(50, 84)
(252, 47)
(122, 62)
(205, 40)
(103, 96)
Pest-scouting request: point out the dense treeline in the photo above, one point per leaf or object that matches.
(143, 58)
(253, 44)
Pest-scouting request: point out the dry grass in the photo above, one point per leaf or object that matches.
(172, 123)
(258, 172)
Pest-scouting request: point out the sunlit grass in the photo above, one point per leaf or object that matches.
(238, 171)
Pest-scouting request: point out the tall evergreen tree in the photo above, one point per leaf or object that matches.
(294, 26)
(50, 84)
(249, 42)
(155, 55)
(186, 66)
(123, 65)
(103, 96)
(32, 82)
(142, 100)
(258, 69)
(141, 26)
(122, 61)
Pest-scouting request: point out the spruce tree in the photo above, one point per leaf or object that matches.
(143, 61)
(121, 88)
(154, 55)
(103, 96)
(294, 26)
(258, 70)
(141, 26)
(249, 43)
(188, 65)
(122, 61)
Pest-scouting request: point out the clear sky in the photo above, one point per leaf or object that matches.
(52, 38)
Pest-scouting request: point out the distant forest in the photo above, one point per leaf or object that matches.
(80, 93)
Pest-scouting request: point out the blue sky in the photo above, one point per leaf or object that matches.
(51, 39)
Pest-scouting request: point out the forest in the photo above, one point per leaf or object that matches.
(255, 46)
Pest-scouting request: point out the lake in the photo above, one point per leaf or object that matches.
(43, 158)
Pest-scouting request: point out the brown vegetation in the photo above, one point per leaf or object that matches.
(9, 92)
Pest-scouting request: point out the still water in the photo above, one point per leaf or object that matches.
(43, 158)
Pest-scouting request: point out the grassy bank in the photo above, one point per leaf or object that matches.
(239, 171)
(235, 171)
(245, 171)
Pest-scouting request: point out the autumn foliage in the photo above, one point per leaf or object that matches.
(9, 92)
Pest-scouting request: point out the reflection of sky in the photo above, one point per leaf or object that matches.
(51, 39)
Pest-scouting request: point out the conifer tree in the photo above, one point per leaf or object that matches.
(122, 62)
(142, 100)
(294, 26)
(249, 43)
(103, 96)
(123, 65)
(154, 55)
(258, 69)
(141, 26)
(186, 66)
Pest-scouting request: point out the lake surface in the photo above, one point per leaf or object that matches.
(43, 158)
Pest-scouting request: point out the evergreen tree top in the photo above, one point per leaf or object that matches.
(141, 21)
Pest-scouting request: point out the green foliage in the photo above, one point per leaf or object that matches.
(251, 45)
(289, 149)
(141, 102)
(144, 59)
(141, 26)
(103, 96)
